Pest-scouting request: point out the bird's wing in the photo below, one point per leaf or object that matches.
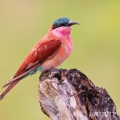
(36, 57)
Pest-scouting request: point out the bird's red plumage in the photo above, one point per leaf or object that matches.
(40, 53)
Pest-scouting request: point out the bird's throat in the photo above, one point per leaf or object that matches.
(62, 32)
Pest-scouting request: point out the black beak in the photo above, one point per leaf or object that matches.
(72, 23)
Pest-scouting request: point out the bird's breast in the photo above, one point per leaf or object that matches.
(62, 54)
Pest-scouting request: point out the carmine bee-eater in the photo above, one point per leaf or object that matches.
(48, 53)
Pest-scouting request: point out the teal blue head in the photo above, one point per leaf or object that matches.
(63, 22)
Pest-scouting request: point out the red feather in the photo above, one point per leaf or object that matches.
(40, 53)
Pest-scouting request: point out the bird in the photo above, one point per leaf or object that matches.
(49, 52)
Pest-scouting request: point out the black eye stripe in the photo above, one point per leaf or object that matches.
(59, 25)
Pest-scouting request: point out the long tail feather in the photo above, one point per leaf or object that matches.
(20, 76)
(11, 83)
(8, 89)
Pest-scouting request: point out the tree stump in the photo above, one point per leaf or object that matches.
(71, 95)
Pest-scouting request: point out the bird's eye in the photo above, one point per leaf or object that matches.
(63, 24)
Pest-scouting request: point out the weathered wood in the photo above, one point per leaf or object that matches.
(70, 95)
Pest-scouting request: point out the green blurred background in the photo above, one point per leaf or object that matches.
(96, 47)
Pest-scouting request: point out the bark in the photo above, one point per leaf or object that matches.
(71, 95)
